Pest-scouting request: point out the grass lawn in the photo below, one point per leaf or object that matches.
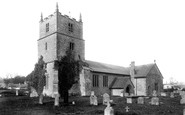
(29, 106)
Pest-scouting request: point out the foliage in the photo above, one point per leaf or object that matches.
(16, 80)
(37, 77)
(68, 70)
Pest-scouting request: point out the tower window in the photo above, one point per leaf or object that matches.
(105, 81)
(70, 27)
(71, 46)
(47, 27)
(46, 46)
(95, 81)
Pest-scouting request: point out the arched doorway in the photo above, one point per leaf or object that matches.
(128, 89)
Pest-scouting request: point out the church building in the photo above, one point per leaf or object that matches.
(59, 32)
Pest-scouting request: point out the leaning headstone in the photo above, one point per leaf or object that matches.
(172, 95)
(106, 99)
(108, 110)
(140, 100)
(155, 101)
(129, 100)
(154, 93)
(163, 94)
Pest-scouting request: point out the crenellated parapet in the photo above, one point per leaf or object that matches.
(60, 15)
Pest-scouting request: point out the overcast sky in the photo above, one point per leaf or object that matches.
(115, 32)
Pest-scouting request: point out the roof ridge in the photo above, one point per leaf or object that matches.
(105, 63)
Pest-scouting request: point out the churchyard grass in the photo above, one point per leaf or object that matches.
(29, 106)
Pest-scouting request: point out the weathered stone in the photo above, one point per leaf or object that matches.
(182, 101)
(172, 95)
(93, 99)
(127, 109)
(108, 110)
(129, 100)
(155, 101)
(33, 93)
(126, 94)
(106, 99)
(56, 99)
(163, 94)
(140, 100)
(131, 94)
(154, 93)
(17, 92)
(41, 98)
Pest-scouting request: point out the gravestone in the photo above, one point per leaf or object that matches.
(140, 100)
(93, 100)
(129, 100)
(122, 92)
(106, 99)
(17, 92)
(44, 91)
(56, 95)
(33, 93)
(182, 101)
(108, 110)
(172, 95)
(127, 109)
(163, 94)
(154, 93)
(131, 94)
(155, 101)
(182, 93)
(183, 111)
(126, 94)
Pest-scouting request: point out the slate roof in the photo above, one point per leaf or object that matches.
(140, 71)
(119, 83)
(107, 68)
(143, 70)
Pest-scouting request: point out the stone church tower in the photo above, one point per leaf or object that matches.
(58, 33)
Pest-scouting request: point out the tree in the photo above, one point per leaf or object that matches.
(68, 70)
(37, 78)
(16, 80)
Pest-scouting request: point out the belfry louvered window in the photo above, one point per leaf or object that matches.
(70, 27)
(47, 27)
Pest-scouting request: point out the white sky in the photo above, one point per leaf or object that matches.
(115, 32)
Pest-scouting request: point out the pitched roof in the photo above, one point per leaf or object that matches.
(119, 83)
(143, 70)
(140, 71)
(107, 68)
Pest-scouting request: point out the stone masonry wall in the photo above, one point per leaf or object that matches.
(154, 77)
